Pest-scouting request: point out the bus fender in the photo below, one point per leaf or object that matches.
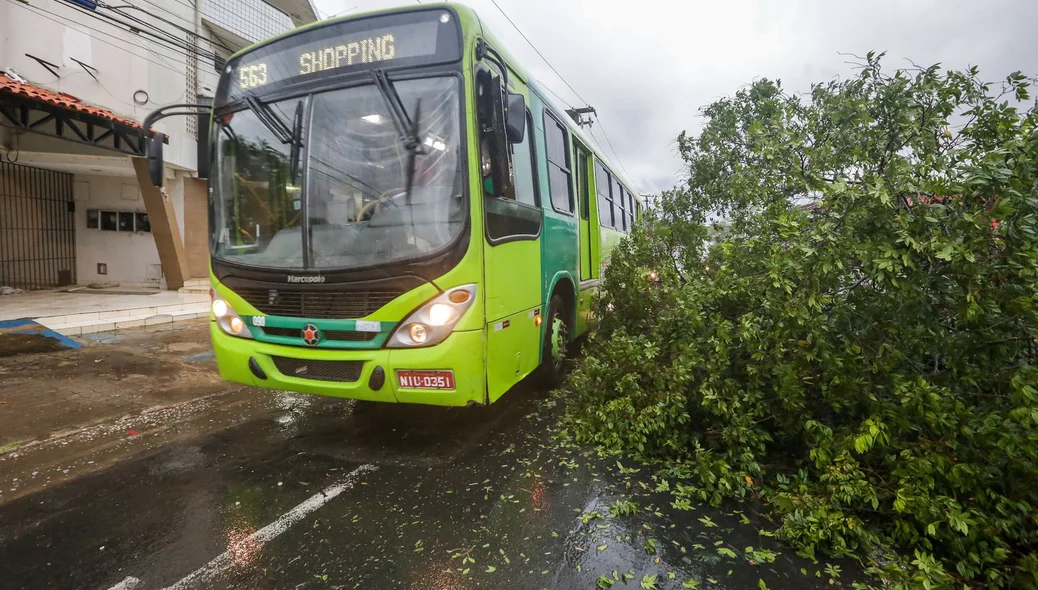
(562, 284)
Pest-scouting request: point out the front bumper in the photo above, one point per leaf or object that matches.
(461, 352)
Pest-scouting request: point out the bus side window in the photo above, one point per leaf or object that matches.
(516, 214)
(618, 205)
(605, 203)
(523, 169)
(559, 173)
(621, 202)
(630, 211)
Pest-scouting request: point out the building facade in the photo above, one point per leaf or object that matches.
(75, 81)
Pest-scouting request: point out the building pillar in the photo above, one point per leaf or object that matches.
(164, 228)
(196, 227)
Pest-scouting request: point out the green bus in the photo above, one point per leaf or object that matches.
(398, 213)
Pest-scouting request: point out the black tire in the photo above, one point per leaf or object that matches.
(553, 360)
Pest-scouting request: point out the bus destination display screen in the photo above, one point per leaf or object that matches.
(395, 40)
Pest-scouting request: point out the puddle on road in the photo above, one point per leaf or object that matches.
(200, 357)
(463, 498)
(130, 334)
(12, 344)
(509, 509)
(294, 409)
(105, 337)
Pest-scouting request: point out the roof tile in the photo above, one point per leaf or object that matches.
(60, 99)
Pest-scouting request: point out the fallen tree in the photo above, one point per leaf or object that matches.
(838, 312)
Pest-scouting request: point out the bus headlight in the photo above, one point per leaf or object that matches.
(220, 308)
(228, 320)
(435, 320)
(440, 314)
(419, 333)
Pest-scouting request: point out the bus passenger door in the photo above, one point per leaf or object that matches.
(512, 221)
(584, 200)
(587, 265)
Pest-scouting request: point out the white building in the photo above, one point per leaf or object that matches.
(75, 81)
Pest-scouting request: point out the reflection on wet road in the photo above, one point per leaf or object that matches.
(304, 494)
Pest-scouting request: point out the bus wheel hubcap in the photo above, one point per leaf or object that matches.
(558, 341)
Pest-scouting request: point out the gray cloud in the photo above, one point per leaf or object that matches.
(648, 65)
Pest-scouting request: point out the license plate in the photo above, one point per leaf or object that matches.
(425, 379)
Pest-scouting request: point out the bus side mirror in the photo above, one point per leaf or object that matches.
(155, 163)
(491, 96)
(515, 118)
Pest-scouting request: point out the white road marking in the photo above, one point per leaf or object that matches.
(202, 577)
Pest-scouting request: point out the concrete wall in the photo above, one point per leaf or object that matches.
(125, 63)
(131, 257)
(251, 20)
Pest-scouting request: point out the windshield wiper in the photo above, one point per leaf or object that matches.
(282, 132)
(407, 128)
(412, 154)
(297, 143)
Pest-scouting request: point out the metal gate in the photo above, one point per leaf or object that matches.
(37, 228)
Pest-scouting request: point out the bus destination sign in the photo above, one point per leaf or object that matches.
(341, 47)
(364, 51)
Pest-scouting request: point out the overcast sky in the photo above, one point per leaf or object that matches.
(648, 65)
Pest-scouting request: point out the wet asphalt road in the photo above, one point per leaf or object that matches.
(302, 493)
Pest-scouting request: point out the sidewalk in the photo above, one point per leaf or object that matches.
(45, 394)
(81, 310)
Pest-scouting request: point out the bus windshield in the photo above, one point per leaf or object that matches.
(348, 190)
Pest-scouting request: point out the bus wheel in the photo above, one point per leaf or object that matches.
(556, 336)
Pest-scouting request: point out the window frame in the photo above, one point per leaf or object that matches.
(630, 209)
(534, 209)
(623, 208)
(552, 118)
(583, 179)
(531, 135)
(618, 207)
(600, 165)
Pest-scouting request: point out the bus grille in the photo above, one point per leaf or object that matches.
(338, 335)
(318, 305)
(340, 371)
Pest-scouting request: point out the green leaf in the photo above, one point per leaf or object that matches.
(650, 546)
